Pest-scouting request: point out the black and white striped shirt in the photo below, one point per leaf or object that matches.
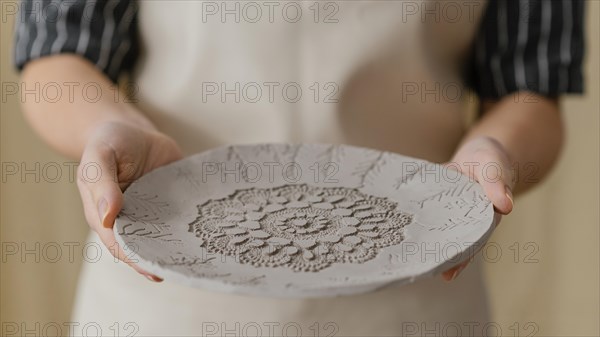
(533, 45)
(102, 31)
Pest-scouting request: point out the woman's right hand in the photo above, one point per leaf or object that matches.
(115, 155)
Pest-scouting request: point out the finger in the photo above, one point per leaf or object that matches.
(485, 160)
(102, 200)
(98, 171)
(106, 234)
(452, 273)
(493, 176)
(108, 239)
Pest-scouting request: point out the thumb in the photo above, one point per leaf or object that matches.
(486, 160)
(100, 177)
(494, 177)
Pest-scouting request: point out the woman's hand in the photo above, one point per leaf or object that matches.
(115, 155)
(485, 160)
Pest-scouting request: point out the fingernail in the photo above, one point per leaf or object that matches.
(153, 278)
(102, 210)
(509, 195)
(457, 272)
(455, 275)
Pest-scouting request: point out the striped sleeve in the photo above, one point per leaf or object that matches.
(528, 45)
(102, 31)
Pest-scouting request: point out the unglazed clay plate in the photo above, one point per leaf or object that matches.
(308, 220)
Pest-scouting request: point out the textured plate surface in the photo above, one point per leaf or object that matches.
(301, 220)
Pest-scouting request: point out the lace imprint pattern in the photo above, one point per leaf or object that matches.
(301, 227)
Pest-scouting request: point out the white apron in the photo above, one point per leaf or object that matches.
(288, 72)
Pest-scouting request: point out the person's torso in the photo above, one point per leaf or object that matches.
(381, 74)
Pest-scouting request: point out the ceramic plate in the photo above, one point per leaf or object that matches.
(307, 220)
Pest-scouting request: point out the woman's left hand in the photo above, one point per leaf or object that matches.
(486, 161)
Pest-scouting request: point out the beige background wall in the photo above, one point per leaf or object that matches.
(547, 274)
